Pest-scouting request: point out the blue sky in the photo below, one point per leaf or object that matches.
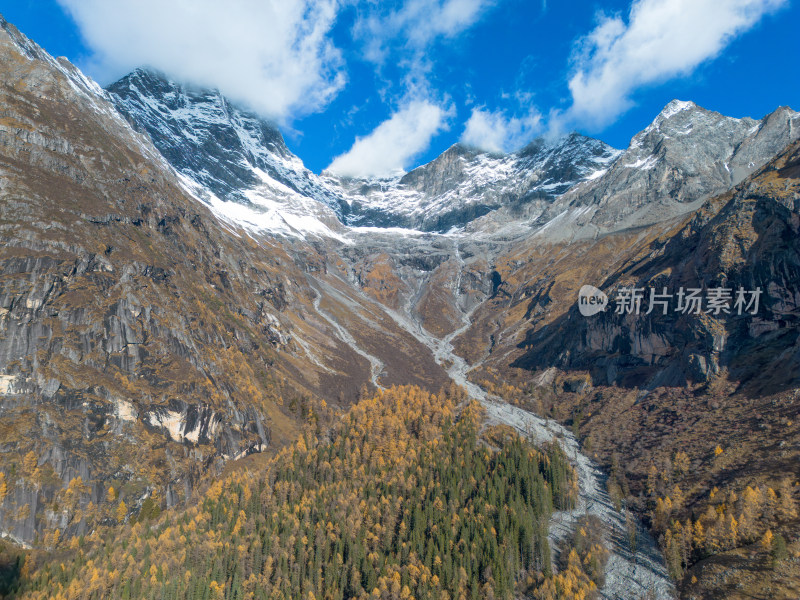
(371, 87)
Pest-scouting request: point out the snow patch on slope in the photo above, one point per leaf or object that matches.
(175, 424)
(7, 384)
(284, 214)
(124, 410)
(646, 163)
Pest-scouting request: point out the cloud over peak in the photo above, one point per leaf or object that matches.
(496, 132)
(274, 56)
(661, 39)
(390, 147)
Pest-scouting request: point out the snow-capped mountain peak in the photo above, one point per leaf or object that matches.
(230, 158)
(687, 154)
(465, 183)
(239, 164)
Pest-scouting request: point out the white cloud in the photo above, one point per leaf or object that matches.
(424, 20)
(661, 39)
(394, 143)
(403, 33)
(273, 55)
(494, 131)
(415, 25)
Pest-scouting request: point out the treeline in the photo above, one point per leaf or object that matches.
(406, 498)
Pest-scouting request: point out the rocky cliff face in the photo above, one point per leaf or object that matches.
(684, 157)
(143, 341)
(744, 240)
(106, 339)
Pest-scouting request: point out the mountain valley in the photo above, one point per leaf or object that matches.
(185, 307)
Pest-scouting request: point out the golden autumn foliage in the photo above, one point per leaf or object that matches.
(403, 499)
(121, 512)
(730, 520)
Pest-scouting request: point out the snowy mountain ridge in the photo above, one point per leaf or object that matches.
(685, 156)
(465, 183)
(239, 164)
(232, 160)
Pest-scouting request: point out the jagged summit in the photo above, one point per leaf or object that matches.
(205, 136)
(239, 164)
(234, 160)
(465, 183)
(675, 106)
(194, 127)
(686, 155)
(232, 157)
